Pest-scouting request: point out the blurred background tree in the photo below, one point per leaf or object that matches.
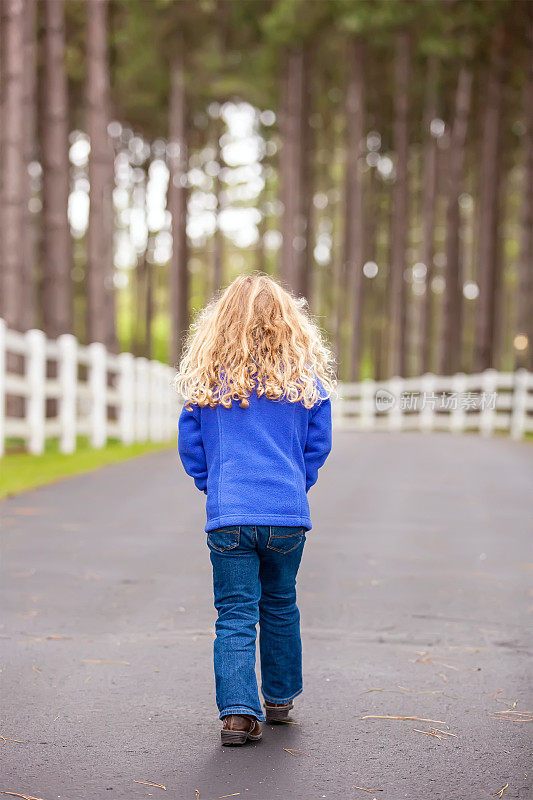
(377, 157)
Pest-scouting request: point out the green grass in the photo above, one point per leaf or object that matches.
(21, 471)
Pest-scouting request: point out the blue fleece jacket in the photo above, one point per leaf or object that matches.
(255, 464)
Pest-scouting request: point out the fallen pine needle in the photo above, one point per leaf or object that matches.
(445, 733)
(415, 730)
(513, 711)
(443, 676)
(502, 790)
(235, 794)
(370, 791)
(294, 752)
(496, 693)
(152, 784)
(286, 722)
(447, 666)
(34, 668)
(7, 739)
(25, 796)
(56, 718)
(418, 719)
(104, 661)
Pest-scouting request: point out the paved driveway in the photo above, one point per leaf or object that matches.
(415, 602)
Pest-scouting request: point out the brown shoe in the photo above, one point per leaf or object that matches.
(238, 729)
(277, 712)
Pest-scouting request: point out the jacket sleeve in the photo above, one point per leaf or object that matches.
(191, 447)
(318, 444)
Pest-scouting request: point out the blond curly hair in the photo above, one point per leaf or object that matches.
(255, 336)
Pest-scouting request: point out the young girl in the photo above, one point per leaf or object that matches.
(255, 429)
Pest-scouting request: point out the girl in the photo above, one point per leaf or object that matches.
(256, 378)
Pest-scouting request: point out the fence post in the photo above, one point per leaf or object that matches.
(458, 414)
(68, 380)
(167, 378)
(519, 407)
(336, 407)
(126, 389)
(172, 405)
(395, 387)
(488, 414)
(368, 405)
(36, 400)
(142, 387)
(154, 404)
(98, 389)
(427, 413)
(2, 386)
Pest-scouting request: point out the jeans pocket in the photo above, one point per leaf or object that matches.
(224, 539)
(283, 540)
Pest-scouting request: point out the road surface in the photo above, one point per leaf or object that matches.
(414, 598)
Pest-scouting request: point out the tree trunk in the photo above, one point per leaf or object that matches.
(293, 132)
(2, 117)
(56, 241)
(13, 166)
(29, 244)
(100, 287)
(177, 199)
(218, 238)
(429, 194)
(306, 261)
(400, 210)
(354, 230)
(524, 328)
(148, 307)
(488, 260)
(450, 340)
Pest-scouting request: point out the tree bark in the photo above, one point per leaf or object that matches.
(354, 229)
(488, 261)
(30, 239)
(13, 166)
(148, 307)
(293, 133)
(307, 166)
(56, 241)
(218, 238)
(524, 323)
(400, 209)
(177, 199)
(100, 287)
(450, 347)
(429, 194)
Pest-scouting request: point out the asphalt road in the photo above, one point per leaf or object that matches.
(414, 598)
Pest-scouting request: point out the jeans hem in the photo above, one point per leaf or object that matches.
(283, 699)
(242, 710)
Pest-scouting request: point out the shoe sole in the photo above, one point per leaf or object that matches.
(236, 738)
(277, 714)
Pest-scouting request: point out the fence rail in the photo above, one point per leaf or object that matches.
(61, 389)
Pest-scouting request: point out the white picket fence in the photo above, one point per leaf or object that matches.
(98, 394)
(104, 396)
(489, 402)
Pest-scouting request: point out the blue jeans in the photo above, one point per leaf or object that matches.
(254, 580)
